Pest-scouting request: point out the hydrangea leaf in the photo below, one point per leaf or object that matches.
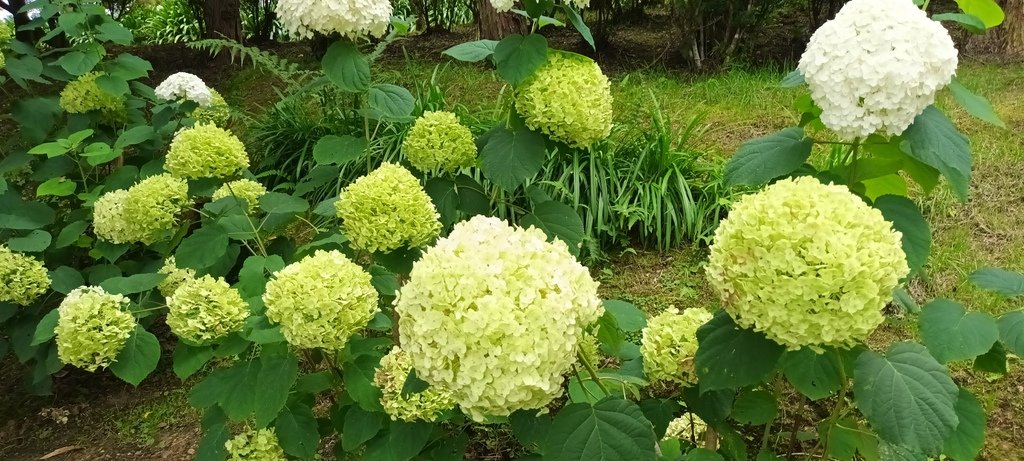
(187, 359)
(203, 248)
(659, 412)
(906, 218)
(215, 434)
(988, 11)
(359, 427)
(907, 396)
(731, 357)
(952, 333)
(472, 51)
(19, 214)
(391, 101)
(969, 437)
(1011, 332)
(510, 157)
(558, 221)
(278, 371)
(132, 284)
(1003, 282)
(402, 442)
(815, 375)
(297, 431)
(518, 57)
(64, 279)
(756, 408)
(611, 429)
(138, 358)
(530, 429)
(629, 317)
(703, 454)
(358, 375)
(577, 21)
(976, 105)
(36, 241)
(338, 150)
(935, 141)
(346, 67)
(276, 202)
(711, 406)
(762, 159)
(44, 330)
(993, 361)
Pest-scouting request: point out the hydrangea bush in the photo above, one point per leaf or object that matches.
(395, 315)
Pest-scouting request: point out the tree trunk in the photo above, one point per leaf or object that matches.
(496, 26)
(1013, 27)
(223, 20)
(20, 19)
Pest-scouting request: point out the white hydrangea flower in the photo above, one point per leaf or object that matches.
(351, 18)
(184, 85)
(877, 66)
(503, 6)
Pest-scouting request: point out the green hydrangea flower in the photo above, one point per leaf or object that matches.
(108, 221)
(589, 348)
(217, 113)
(206, 151)
(493, 313)
(176, 276)
(6, 32)
(387, 210)
(422, 406)
(152, 207)
(688, 427)
(255, 445)
(569, 99)
(669, 345)
(92, 328)
(3, 60)
(84, 95)
(206, 309)
(321, 300)
(808, 264)
(245, 189)
(23, 279)
(437, 141)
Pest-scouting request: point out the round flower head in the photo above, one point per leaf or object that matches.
(321, 300)
(437, 141)
(877, 66)
(92, 328)
(84, 95)
(108, 218)
(23, 279)
(503, 6)
(255, 445)
(245, 189)
(6, 33)
(569, 99)
(390, 379)
(669, 345)
(579, 4)
(216, 113)
(206, 151)
(493, 313)
(185, 86)
(351, 18)
(206, 309)
(151, 207)
(688, 427)
(387, 210)
(807, 264)
(176, 276)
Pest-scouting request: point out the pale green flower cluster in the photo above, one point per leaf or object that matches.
(493, 313)
(92, 328)
(23, 279)
(438, 142)
(669, 345)
(206, 309)
(84, 95)
(176, 276)
(206, 151)
(688, 427)
(321, 300)
(589, 348)
(808, 264)
(422, 406)
(3, 60)
(6, 32)
(245, 189)
(217, 113)
(144, 213)
(569, 99)
(387, 210)
(255, 445)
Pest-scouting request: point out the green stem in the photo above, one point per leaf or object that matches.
(777, 391)
(839, 408)
(592, 372)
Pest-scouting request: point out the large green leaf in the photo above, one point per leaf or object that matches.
(711, 406)
(628, 317)
(974, 104)
(391, 101)
(1003, 282)
(906, 218)
(276, 202)
(951, 333)
(358, 375)
(45, 329)
(346, 67)
(36, 241)
(57, 187)
(907, 396)
(472, 51)
(203, 248)
(845, 437)
(238, 389)
(511, 157)
(763, 159)
(577, 21)
(133, 284)
(36, 116)
(278, 370)
(730, 357)
(402, 442)
(64, 279)
(338, 150)
(935, 141)
(1011, 332)
(756, 407)
(530, 428)
(189, 359)
(518, 57)
(703, 454)
(969, 437)
(558, 221)
(138, 358)
(659, 412)
(215, 434)
(16, 213)
(815, 375)
(79, 62)
(360, 426)
(993, 361)
(990, 13)
(297, 431)
(612, 429)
